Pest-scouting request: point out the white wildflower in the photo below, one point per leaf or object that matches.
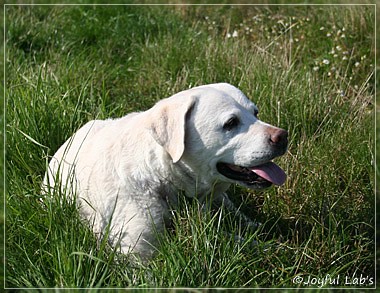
(341, 93)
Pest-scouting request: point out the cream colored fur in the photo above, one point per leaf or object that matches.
(130, 169)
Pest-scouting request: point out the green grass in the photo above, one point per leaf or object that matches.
(310, 69)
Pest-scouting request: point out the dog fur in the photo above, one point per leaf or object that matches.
(132, 168)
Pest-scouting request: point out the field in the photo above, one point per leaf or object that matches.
(310, 69)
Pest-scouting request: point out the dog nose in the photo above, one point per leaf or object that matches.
(279, 137)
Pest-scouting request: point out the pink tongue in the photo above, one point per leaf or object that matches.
(271, 172)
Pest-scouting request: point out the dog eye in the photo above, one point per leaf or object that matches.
(231, 123)
(256, 113)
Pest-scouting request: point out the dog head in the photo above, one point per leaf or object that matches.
(215, 130)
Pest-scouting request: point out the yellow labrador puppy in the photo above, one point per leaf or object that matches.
(126, 172)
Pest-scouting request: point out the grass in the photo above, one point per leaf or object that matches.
(310, 69)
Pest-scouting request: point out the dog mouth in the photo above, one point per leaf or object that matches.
(257, 177)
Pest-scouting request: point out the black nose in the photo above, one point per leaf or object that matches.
(278, 137)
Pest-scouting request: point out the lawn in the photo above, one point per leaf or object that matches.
(310, 70)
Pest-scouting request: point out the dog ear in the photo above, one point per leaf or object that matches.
(169, 122)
